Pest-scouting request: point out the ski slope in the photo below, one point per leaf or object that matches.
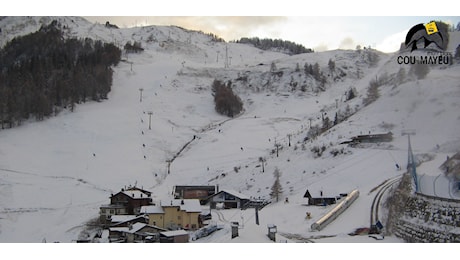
(55, 174)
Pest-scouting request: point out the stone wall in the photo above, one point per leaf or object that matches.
(429, 219)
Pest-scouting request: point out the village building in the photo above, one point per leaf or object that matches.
(174, 214)
(229, 199)
(126, 220)
(321, 200)
(200, 192)
(135, 233)
(107, 211)
(176, 236)
(370, 138)
(126, 202)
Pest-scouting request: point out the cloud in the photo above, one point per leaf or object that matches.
(393, 42)
(321, 47)
(347, 44)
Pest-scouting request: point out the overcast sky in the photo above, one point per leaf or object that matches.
(320, 33)
(320, 25)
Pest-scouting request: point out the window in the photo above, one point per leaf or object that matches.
(111, 211)
(178, 218)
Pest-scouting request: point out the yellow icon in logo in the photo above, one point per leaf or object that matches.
(431, 28)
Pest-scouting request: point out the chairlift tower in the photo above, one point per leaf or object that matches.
(140, 95)
(150, 113)
(226, 57)
(411, 166)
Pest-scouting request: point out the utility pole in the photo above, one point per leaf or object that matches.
(226, 56)
(169, 166)
(289, 137)
(257, 215)
(411, 167)
(150, 119)
(140, 96)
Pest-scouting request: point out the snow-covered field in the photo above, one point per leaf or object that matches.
(55, 174)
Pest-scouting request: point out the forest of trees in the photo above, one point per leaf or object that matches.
(227, 103)
(288, 47)
(42, 73)
(133, 48)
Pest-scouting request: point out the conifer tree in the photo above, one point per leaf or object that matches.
(276, 189)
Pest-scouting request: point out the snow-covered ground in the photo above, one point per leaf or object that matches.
(55, 174)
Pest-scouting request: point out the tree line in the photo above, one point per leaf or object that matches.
(42, 73)
(288, 47)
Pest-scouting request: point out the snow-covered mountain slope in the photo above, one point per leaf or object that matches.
(55, 174)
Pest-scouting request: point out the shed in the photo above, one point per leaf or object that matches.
(319, 201)
(176, 236)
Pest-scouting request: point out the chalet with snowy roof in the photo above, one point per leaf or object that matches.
(229, 199)
(199, 192)
(131, 199)
(174, 214)
(176, 236)
(319, 201)
(126, 202)
(126, 220)
(135, 233)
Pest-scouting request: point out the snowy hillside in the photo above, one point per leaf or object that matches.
(55, 174)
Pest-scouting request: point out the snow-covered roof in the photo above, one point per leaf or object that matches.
(122, 218)
(188, 205)
(236, 194)
(134, 228)
(174, 233)
(153, 209)
(135, 194)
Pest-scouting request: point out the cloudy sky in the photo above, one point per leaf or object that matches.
(384, 33)
(321, 25)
